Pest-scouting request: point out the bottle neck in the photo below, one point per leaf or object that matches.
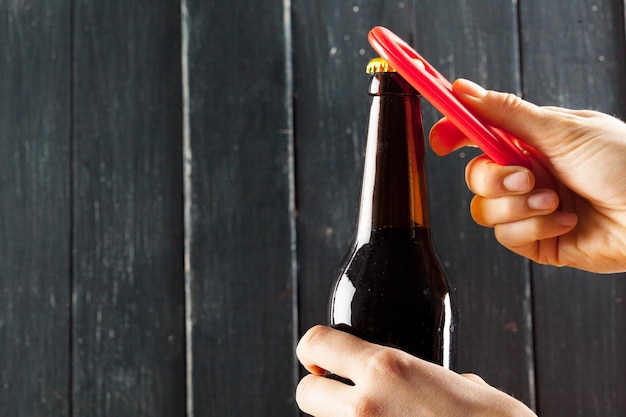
(393, 192)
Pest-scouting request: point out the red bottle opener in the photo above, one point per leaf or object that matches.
(434, 87)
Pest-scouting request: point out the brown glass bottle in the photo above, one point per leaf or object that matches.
(390, 288)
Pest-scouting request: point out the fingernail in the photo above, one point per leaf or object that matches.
(518, 181)
(472, 89)
(565, 219)
(542, 200)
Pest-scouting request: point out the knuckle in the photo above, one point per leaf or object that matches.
(474, 378)
(483, 177)
(365, 406)
(477, 210)
(386, 363)
(480, 184)
(511, 102)
(518, 234)
(303, 389)
(313, 337)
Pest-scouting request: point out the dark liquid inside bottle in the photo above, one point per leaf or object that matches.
(391, 289)
(393, 292)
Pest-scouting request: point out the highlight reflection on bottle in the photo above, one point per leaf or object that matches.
(391, 288)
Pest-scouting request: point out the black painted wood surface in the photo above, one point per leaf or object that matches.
(242, 233)
(128, 311)
(35, 209)
(179, 182)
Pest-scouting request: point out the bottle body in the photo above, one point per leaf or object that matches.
(390, 288)
(393, 292)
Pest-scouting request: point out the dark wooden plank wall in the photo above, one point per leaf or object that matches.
(180, 179)
(128, 311)
(243, 238)
(35, 217)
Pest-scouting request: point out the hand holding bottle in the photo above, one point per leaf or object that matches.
(571, 209)
(389, 382)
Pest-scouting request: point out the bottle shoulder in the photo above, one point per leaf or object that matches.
(398, 257)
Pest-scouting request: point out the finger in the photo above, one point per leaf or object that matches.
(476, 379)
(539, 128)
(488, 179)
(492, 211)
(335, 351)
(504, 110)
(319, 396)
(527, 237)
(445, 137)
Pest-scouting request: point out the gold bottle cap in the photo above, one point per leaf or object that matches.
(379, 65)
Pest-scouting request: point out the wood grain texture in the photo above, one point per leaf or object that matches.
(128, 300)
(573, 54)
(580, 326)
(574, 57)
(34, 209)
(242, 248)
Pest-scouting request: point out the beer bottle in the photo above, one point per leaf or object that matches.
(391, 288)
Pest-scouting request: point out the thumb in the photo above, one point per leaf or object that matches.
(505, 111)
